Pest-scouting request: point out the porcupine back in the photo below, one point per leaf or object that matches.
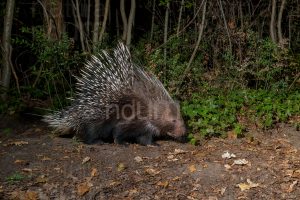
(110, 84)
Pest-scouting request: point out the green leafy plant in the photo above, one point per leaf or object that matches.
(15, 178)
(56, 60)
(215, 113)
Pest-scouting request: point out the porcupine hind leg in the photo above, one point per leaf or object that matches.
(98, 132)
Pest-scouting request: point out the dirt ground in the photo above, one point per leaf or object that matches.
(36, 165)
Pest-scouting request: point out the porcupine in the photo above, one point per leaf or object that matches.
(117, 99)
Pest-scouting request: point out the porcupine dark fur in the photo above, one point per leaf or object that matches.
(117, 99)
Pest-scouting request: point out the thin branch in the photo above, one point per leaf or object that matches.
(201, 28)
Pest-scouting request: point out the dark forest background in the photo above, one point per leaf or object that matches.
(228, 62)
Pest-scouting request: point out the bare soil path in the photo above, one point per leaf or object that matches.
(36, 165)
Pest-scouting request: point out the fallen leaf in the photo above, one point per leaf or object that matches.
(83, 188)
(114, 183)
(21, 162)
(138, 159)
(227, 167)
(41, 179)
(121, 167)
(228, 155)
(222, 191)
(291, 187)
(94, 172)
(27, 170)
(296, 174)
(45, 158)
(163, 184)
(132, 192)
(30, 195)
(241, 162)
(231, 135)
(192, 168)
(16, 194)
(248, 185)
(179, 151)
(152, 172)
(18, 143)
(171, 158)
(57, 169)
(85, 160)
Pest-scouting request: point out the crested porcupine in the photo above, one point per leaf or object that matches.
(117, 99)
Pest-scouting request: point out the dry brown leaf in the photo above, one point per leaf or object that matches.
(296, 174)
(41, 179)
(152, 172)
(192, 168)
(83, 188)
(172, 158)
(21, 162)
(227, 167)
(85, 160)
(231, 135)
(121, 167)
(27, 170)
(163, 184)
(16, 194)
(114, 183)
(30, 195)
(138, 159)
(132, 192)
(248, 185)
(240, 162)
(179, 151)
(18, 143)
(291, 187)
(45, 158)
(176, 178)
(94, 172)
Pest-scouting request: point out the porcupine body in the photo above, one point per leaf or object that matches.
(119, 100)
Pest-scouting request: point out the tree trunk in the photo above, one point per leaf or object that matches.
(96, 23)
(241, 15)
(6, 55)
(124, 19)
(179, 17)
(225, 25)
(280, 39)
(117, 23)
(152, 21)
(80, 25)
(104, 20)
(166, 33)
(53, 18)
(88, 17)
(272, 23)
(130, 22)
(201, 28)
